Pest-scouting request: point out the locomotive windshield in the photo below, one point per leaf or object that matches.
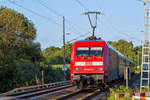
(89, 51)
(82, 51)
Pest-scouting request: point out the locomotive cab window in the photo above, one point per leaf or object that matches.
(82, 51)
(89, 51)
(96, 51)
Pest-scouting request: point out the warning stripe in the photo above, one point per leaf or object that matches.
(141, 96)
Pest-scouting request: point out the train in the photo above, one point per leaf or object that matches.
(94, 62)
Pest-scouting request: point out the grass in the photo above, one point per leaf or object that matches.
(60, 66)
(117, 90)
(25, 90)
(123, 89)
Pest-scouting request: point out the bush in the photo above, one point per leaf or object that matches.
(121, 89)
(17, 75)
(54, 75)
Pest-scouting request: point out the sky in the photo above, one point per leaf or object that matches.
(119, 19)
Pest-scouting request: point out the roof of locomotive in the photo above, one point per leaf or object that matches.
(110, 46)
(88, 40)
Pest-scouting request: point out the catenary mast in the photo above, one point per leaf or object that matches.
(144, 83)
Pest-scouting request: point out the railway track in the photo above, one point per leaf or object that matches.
(36, 93)
(70, 96)
(66, 92)
(84, 95)
(59, 94)
(88, 94)
(96, 94)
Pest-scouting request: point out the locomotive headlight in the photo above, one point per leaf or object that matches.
(99, 68)
(77, 69)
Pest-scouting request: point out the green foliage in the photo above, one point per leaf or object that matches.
(60, 66)
(16, 36)
(17, 74)
(127, 49)
(54, 75)
(19, 55)
(123, 89)
(68, 52)
(54, 55)
(28, 71)
(138, 56)
(21, 59)
(120, 89)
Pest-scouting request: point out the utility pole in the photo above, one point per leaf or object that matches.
(127, 77)
(92, 25)
(42, 77)
(138, 59)
(144, 83)
(64, 68)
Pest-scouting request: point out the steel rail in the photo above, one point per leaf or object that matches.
(70, 95)
(22, 90)
(43, 91)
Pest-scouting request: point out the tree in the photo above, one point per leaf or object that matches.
(68, 52)
(126, 48)
(54, 55)
(18, 53)
(16, 34)
(138, 55)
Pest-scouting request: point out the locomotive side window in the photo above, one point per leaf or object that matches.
(82, 51)
(96, 51)
(89, 51)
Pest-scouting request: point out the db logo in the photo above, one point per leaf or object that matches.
(88, 69)
(88, 64)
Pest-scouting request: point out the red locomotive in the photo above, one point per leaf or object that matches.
(95, 62)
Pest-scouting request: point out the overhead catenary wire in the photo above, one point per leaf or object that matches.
(48, 8)
(37, 14)
(82, 5)
(50, 20)
(116, 29)
(60, 15)
(97, 3)
(123, 33)
(110, 23)
(82, 35)
(42, 3)
(33, 12)
(112, 32)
